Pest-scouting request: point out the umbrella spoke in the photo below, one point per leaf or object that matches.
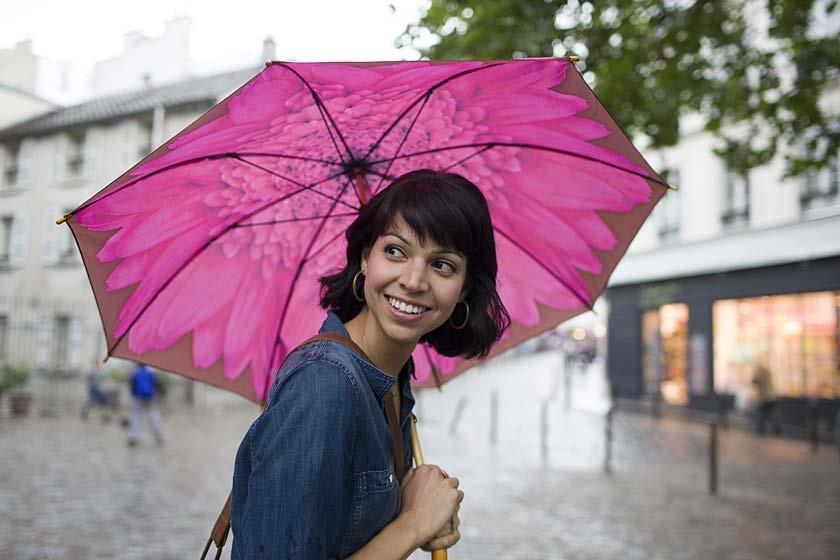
(177, 164)
(325, 114)
(310, 187)
(198, 252)
(463, 159)
(424, 97)
(534, 258)
(295, 220)
(529, 147)
(404, 138)
(294, 282)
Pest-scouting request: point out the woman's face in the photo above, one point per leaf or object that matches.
(411, 289)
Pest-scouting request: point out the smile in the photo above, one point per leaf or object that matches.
(404, 307)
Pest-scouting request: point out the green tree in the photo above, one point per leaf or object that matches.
(755, 70)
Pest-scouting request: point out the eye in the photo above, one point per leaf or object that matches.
(446, 267)
(394, 251)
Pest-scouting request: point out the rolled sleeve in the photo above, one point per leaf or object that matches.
(294, 487)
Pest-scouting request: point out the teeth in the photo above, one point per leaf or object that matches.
(404, 307)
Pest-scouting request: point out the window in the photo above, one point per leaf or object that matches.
(61, 344)
(736, 199)
(144, 146)
(669, 209)
(665, 352)
(820, 186)
(794, 336)
(75, 154)
(4, 338)
(6, 223)
(10, 170)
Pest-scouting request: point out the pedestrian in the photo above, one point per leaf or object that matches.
(96, 396)
(766, 400)
(143, 396)
(315, 476)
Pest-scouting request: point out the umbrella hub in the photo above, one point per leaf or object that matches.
(357, 170)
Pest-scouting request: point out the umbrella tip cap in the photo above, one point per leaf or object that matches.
(267, 63)
(574, 58)
(61, 220)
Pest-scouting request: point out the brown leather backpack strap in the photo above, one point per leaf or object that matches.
(219, 533)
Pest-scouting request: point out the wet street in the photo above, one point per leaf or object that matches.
(71, 489)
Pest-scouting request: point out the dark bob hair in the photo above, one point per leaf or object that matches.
(450, 211)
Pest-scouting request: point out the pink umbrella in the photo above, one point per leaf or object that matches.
(205, 257)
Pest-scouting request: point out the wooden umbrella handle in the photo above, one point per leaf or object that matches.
(418, 460)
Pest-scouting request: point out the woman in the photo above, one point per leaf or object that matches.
(315, 474)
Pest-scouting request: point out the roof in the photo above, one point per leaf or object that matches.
(111, 107)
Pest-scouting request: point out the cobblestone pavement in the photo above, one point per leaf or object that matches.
(72, 490)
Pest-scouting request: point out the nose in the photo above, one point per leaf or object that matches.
(413, 278)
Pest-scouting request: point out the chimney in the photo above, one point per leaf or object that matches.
(269, 51)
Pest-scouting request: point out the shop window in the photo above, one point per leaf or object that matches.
(665, 352)
(794, 336)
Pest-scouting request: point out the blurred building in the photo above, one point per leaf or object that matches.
(51, 163)
(731, 272)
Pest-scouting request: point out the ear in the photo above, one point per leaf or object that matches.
(365, 256)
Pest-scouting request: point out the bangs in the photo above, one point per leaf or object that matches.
(430, 211)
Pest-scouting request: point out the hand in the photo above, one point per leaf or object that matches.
(430, 501)
(447, 537)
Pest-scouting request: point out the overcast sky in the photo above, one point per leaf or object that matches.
(83, 31)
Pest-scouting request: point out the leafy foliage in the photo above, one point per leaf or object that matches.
(755, 70)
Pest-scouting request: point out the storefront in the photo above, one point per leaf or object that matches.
(698, 341)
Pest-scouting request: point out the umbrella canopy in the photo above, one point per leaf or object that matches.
(205, 257)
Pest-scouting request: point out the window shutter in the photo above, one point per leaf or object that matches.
(17, 253)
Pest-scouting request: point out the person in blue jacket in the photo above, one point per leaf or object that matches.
(315, 475)
(144, 404)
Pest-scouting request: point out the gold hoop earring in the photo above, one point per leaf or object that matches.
(467, 318)
(356, 295)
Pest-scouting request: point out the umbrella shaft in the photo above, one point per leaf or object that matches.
(362, 185)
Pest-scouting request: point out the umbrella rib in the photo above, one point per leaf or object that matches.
(308, 187)
(425, 96)
(557, 277)
(294, 283)
(294, 220)
(463, 159)
(325, 115)
(188, 162)
(402, 142)
(193, 257)
(530, 147)
(432, 366)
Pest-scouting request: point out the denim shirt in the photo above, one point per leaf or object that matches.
(314, 475)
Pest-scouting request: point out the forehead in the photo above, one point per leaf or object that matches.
(402, 229)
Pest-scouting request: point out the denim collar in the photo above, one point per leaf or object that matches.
(379, 381)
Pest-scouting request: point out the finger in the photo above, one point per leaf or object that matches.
(453, 482)
(440, 543)
(460, 496)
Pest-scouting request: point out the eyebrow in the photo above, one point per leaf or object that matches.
(441, 251)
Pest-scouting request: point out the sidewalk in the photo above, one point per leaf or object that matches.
(72, 490)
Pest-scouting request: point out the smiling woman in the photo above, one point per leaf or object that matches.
(433, 229)
(322, 474)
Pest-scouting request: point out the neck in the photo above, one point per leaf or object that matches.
(386, 354)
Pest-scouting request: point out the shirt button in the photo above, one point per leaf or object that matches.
(390, 478)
